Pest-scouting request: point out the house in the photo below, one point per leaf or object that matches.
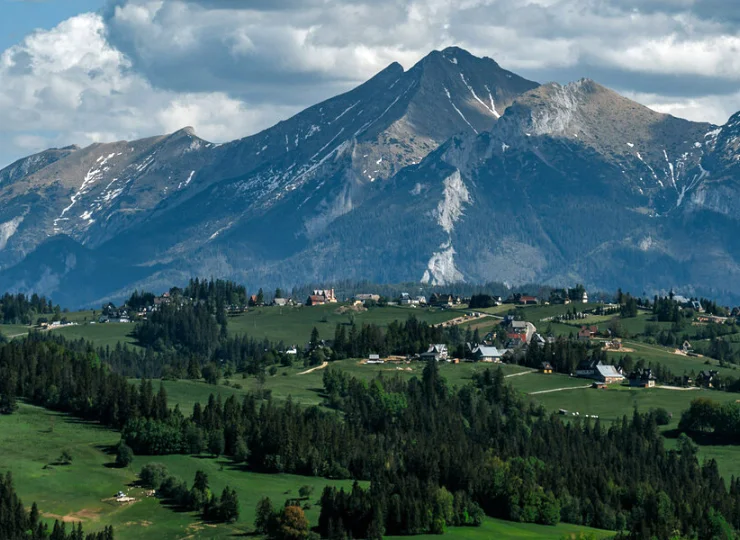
(281, 302)
(525, 300)
(599, 384)
(642, 379)
(541, 340)
(441, 300)
(608, 374)
(407, 300)
(587, 368)
(697, 306)
(421, 300)
(367, 298)
(686, 347)
(327, 294)
(436, 352)
(584, 299)
(315, 300)
(546, 368)
(292, 351)
(374, 359)
(484, 353)
(519, 330)
(587, 332)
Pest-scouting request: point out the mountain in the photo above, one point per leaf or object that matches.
(453, 170)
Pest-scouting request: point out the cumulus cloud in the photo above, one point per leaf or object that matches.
(231, 67)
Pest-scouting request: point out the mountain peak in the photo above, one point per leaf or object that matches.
(187, 131)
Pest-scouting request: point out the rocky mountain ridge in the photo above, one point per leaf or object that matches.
(453, 170)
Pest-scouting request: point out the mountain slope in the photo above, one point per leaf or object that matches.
(106, 191)
(453, 170)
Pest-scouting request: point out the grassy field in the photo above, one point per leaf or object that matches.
(535, 314)
(293, 325)
(34, 437)
(102, 335)
(307, 388)
(677, 363)
(538, 382)
(14, 330)
(615, 402)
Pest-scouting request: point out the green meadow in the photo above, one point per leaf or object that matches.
(32, 440)
(293, 325)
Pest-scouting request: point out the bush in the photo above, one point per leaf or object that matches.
(152, 475)
(662, 417)
(124, 455)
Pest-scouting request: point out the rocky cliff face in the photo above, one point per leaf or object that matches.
(453, 170)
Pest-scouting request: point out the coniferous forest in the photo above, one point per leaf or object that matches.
(424, 455)
(435, 456)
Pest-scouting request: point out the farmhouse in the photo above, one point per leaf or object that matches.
(436, 352)
(587, 332)
(608, 374)
(519, 331)
(484, 353)
(642, 379)
(315, 300)
(587, 368)
(594, 369)
(525, 300)
(367, 298)
(444, 300)
(546, 367)
(327, 294)
(374, 359)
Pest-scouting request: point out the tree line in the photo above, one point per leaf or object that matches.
(22, 309)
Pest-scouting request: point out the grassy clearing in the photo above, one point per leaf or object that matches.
(612, 404)
(294, 324)
(537, 382)
(81, 491)
(307, 389)
(102, 335)
(14, 330)
(677, 363)
(535, 314)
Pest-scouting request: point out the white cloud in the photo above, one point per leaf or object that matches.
(230, 68)
(68, 85)
(715, 109)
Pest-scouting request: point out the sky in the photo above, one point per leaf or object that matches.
(84, 71)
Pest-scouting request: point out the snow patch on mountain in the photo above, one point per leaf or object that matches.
(458, 111)
(492, 109)
(8, 229)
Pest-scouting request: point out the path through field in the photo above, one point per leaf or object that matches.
(520, 374)
(679, 388)
(559, 390)
(322, 366)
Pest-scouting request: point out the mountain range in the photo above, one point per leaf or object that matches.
(455, 170)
